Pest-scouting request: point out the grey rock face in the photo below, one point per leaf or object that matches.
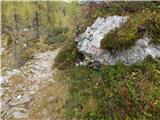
(89, 43)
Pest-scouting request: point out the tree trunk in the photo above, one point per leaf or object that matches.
(63, 12)
(48, 19)
(36, 20)
(15, 38)
(48, 13)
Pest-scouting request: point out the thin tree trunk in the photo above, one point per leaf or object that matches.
(15, 38)
(48, 19)
(48, 13)
(63, 12)
(37, 20)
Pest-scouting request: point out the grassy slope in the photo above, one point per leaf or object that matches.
(125, 36)
(112, 92)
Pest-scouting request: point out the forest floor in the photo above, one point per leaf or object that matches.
(33, 93)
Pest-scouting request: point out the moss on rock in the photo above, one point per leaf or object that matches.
(125, 36)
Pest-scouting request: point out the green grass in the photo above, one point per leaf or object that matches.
(67, 57)
(119, 92)
(125, 36)
(130, 7)
(56, 39)
(153, 26)
(112, 92)
(116, 92)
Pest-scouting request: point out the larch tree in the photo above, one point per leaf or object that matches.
(15, 36)
(36, 23)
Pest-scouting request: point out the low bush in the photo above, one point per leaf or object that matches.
(121, 38)
(60, 30)
(131, 7)
(125, 36)
(114, 92)
(67, 56)
(56, 39)
(153, 26)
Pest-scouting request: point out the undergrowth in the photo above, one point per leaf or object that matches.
(129, 7)
(112, 92)
(125, 36)
(67, 56)
(116, 92)
(153, 26)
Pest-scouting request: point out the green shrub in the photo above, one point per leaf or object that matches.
(117, 92)
(60, 30)
(56, 39)
(153, 26)
(32, 43)
(121, 38)
(67, 56)
(131, 7)
(125, 36)
(26, 55)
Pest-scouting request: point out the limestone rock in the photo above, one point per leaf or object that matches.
(89, 43)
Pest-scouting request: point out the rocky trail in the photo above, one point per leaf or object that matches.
(27, 93)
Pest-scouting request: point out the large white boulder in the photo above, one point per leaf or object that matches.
(89, 43)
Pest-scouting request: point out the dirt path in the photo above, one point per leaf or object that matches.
(32, 93)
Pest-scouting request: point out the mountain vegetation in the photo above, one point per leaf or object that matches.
(116, 92)
(136, 27)
(112, 92)
(31, 26)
